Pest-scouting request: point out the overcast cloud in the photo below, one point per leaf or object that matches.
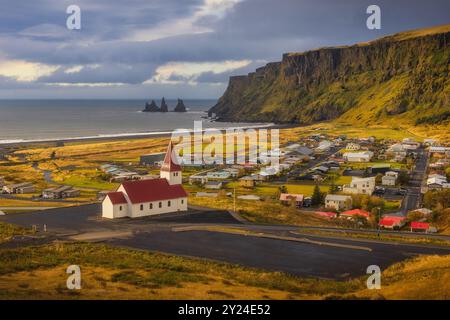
(176, 48)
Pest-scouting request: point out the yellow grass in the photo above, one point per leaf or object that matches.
(117, 273)
(424, 278)
(28, 203)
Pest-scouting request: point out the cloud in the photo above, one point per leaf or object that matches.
(179, 72)
(45, 30)
(187, 25)
(176, 47)
(86, 84)
(24, 71)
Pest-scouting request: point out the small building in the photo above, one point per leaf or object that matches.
(436, 182)
(388, 181)
(214, 185)
(60, 192)
(233, 172)
(257, 177)
(324, 146)
(218, 175)
(352, 146)
(198, 179)
(355, 212)
(392, 222)
(419, 226)
(206, 194)
(300, 150)
(390, 178)
(440, 150)
(286, 198)
(360, 186)
(338, 202)
(19, 188)
(321, 169)
(247, 182)
(396, 151)
(365, 156)
(151, 159)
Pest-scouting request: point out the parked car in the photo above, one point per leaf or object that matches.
(379, 191)
(307, 202)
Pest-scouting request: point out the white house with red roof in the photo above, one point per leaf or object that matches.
(355, 212)
(142, 198)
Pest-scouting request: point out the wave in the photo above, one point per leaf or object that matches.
(126, 134)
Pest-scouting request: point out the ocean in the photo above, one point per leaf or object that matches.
(41, 120)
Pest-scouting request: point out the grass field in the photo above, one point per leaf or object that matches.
(9, 230)
(116, 273)
(28, 203)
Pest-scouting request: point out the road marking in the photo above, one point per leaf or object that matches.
(242, 232)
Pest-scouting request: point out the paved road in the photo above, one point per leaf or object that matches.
(26, 208)
(156, 234)
(413, 199)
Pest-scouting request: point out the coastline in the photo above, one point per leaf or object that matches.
(122, 136)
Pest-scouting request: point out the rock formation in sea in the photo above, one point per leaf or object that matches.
(152, 107)
(164, 107)
(180, 106)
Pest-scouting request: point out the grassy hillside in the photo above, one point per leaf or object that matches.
(117, 273)
(401, 79)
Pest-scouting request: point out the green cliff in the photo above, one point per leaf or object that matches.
(402, 78)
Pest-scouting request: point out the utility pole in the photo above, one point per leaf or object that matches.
(234, 199)
(379, 219)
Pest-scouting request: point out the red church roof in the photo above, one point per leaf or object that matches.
(117, 197)
(170, 163)
(140, 191)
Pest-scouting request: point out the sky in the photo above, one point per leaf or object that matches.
(138, 49)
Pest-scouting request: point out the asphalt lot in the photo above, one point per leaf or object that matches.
(278, 255)
(156, 234)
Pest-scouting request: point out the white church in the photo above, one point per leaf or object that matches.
(142, 198)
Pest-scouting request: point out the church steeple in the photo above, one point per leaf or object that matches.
(170, 168)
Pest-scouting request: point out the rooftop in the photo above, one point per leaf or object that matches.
(140, 191)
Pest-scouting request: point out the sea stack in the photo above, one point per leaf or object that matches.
(152, 107)
(164, 107)
(180, 106)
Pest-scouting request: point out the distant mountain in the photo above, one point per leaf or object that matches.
(180, 106)
(399, 78)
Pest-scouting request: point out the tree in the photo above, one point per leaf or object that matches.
(403, 177)
(375, 214)
(437, 199)
(333, 188)
(283, 189)
(379, 178)
(317, 196)
(414, 216)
